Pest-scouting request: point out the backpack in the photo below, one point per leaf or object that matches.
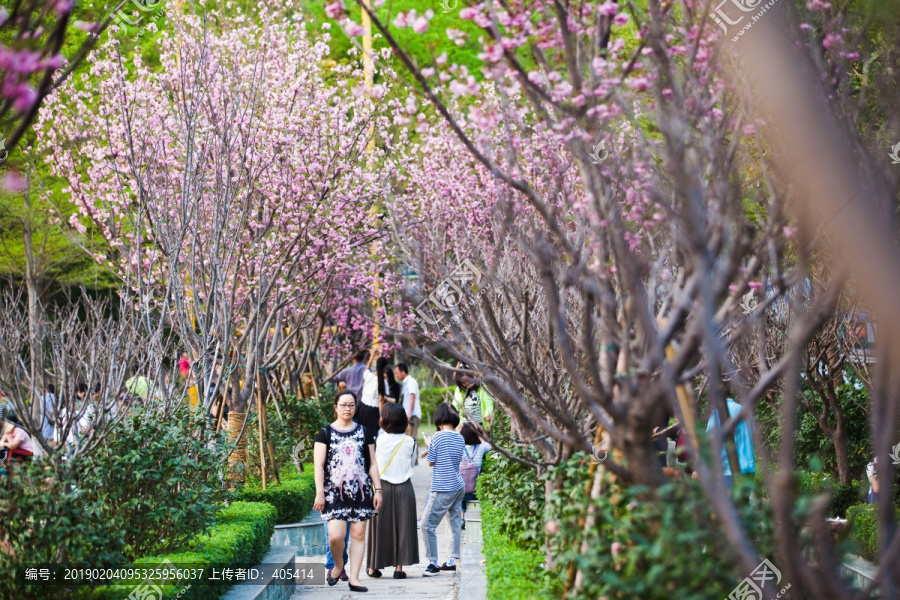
(469, 471)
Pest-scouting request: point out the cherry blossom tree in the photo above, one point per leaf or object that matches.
(232, 187)
(630, 177)
(32, 62)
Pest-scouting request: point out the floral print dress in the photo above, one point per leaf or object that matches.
(348, 488)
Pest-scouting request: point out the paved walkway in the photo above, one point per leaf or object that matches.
(444, 586)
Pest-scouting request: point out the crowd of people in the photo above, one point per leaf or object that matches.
(65, 423)
(364, 463)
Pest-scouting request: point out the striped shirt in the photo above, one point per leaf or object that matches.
(445, 451)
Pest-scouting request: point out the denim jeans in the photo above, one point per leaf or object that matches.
(437, 505)
(329, 559)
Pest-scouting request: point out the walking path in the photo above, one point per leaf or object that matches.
(444, 586)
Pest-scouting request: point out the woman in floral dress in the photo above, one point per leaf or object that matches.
(348, 489)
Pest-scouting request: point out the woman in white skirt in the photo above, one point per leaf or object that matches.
(392, 538)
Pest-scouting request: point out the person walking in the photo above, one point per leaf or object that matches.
(388, 388)
(348, 487)
(872, 476)
(49, 413)
(472, 461)
(351, 378)
(743, 441)
(392, 539)
(369, 413)
(410, 398)
(444, 454)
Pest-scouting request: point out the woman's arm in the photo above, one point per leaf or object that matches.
(873, 481)
(376, 478)
(319, 462)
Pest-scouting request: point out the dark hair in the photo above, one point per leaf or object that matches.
(393, 387)
(393, 418)
(446, 415)
(51, 388)
(380, 365)
(97, 389)
(345, 393)
(81, 387)
(470, 434)
(361, 356)
(403, 367)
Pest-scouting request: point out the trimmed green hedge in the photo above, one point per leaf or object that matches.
(293, 499)
(513, 573)
(864, 529)
(241, 536)
(842, 496)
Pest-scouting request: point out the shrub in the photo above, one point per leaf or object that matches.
(240, 538)
(434, 397)
(864, 529)
(303, 418)
(649, 544)
(293, 499)
(43, 521)
(156, 480)
(842, 496)
(512, 572)
(522, 509)
(645, 543)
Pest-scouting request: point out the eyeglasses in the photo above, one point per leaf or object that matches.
(346, 405)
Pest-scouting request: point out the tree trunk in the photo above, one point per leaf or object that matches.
(237, 461)
(34, 333)
(642, 461)
(841, 453)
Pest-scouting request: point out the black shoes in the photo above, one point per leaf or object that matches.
(431, 570)
(446, 567)
(331, 580)
(358, 588)
(375, 573)
(399, 574)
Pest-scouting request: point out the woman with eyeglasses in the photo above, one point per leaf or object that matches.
(348, 488)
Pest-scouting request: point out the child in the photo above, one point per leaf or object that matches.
(445, 452)
(471, 463)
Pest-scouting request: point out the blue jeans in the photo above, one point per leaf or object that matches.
(329, 559)
(438, 505)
